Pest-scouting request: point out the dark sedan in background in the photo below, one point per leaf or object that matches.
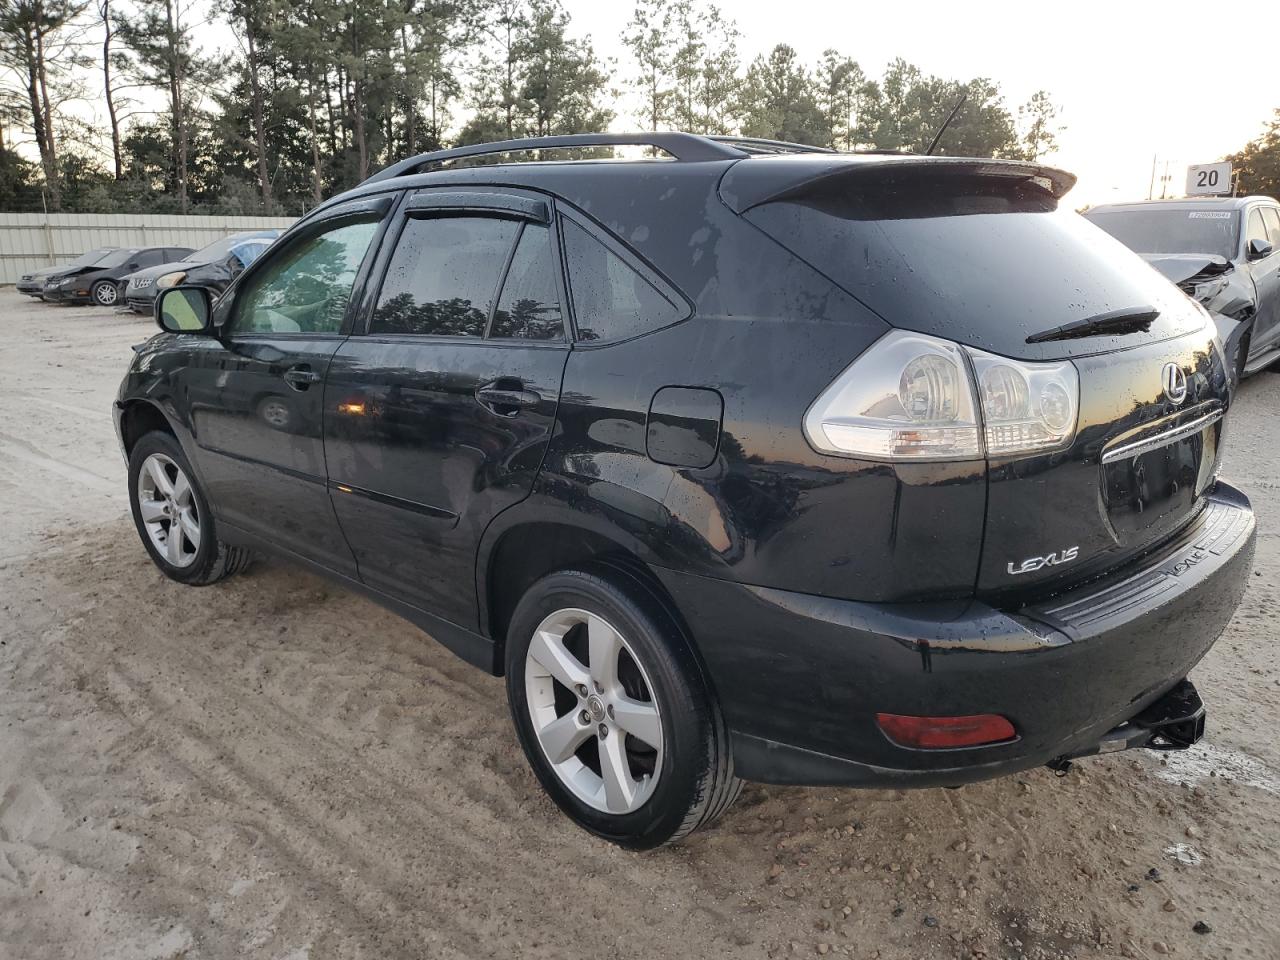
(99, 282)
(213, 267)
(32, 284)
(1222, 252)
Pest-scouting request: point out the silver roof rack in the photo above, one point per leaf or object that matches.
(686, 147)
(759, 146)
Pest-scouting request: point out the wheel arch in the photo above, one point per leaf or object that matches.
(524, 549)
(140, 417)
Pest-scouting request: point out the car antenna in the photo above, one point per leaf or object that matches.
(946, 123)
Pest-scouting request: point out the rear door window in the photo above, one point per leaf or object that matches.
(529, 308)
(443, 277)
(611, 299)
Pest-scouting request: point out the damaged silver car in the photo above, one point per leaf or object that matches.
(1224, 253)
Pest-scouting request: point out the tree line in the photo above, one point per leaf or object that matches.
(315, 95)
(1257, 164)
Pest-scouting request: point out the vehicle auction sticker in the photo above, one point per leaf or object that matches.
(1209, 215)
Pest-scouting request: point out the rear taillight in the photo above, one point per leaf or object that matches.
(945, 733)
(1026, 407)
(916, 397)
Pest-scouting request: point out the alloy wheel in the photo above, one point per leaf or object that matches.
(168, 509)
(105, 294)
(593, 711)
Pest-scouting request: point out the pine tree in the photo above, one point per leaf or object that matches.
(778, 100)
(1040, 136)
(563, 80)
(36, 45)
(161, 40)
(539, 81)
(110, 61)
(719, 82)
(1258, 162)
(247, 18)
(648, 36)
(843, 94)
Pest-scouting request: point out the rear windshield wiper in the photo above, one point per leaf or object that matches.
(1129, 320)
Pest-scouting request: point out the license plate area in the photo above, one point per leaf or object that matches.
(1150, 484)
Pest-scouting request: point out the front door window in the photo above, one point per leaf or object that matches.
(307, 288)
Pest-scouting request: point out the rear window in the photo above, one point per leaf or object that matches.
(977, 260)
(1173, 230)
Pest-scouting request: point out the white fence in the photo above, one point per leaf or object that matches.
(32, 241)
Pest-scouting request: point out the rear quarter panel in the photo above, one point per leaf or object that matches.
(768, 333)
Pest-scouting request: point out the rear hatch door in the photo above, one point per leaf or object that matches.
(1141, 461)
(987, 255)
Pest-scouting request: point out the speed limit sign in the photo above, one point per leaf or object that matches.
(1208, 179)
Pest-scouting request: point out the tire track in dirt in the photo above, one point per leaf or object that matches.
(496, 822)
(297, 826)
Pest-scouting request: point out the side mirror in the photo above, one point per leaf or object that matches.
(1259, 249)
(183, 310)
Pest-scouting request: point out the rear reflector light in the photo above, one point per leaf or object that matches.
(940, 733)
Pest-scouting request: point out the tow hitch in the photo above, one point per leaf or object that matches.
(1174, 722)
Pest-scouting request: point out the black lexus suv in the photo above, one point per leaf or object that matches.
(738, 459)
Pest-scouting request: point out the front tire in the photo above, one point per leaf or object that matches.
(104, 293)
(612, 710)
(172, 515)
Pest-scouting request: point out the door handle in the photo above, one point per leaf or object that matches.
(506, 397)
(301, 377)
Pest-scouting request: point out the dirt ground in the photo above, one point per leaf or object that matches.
(274, 768)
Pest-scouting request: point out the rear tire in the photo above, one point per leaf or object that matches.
(172, 515)
(597, 671)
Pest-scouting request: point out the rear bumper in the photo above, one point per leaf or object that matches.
(800, 677)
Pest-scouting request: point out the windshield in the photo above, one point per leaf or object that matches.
(1172, 230)
(93, 256)
(214, 251)
(248, 251)
(220, 248)
(116, 258)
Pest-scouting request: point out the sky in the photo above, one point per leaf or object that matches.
(1183, 82)
(1175, 82)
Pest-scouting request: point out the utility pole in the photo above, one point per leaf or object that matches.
(1164, 180)
(1152, 189)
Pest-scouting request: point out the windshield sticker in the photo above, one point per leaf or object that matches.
(1209, 215)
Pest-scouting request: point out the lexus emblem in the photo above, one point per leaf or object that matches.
(1175, 383)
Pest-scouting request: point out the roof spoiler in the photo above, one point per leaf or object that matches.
(748, 185)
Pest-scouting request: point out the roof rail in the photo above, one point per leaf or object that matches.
(759, 145)
(682, 146)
